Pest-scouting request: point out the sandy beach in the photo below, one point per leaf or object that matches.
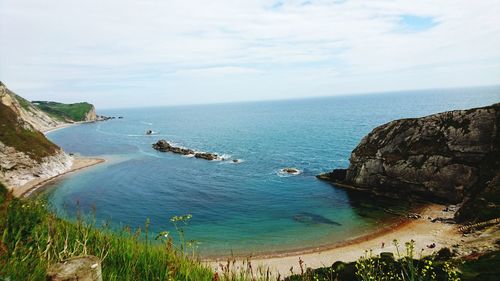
(62, 126)
(79, 163)
(423, 231)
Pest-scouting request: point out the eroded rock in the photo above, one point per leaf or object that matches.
(449, 157)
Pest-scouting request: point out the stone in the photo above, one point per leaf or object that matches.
(291, 171)
(83, 268)
(206, 156)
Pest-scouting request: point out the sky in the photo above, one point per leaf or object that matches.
(124, 53)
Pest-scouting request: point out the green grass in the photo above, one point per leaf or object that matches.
(65, 112)
(23, 102)
(33, 239)
(12, 134)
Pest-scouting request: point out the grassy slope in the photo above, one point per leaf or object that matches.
(22, 101)
(33, 143)
(33, 238)
(65, 112)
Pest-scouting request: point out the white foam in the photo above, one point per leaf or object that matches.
(282, 173)
(222, 157)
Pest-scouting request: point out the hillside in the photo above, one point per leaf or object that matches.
(25, 153)
(26, 111)
(75, 112)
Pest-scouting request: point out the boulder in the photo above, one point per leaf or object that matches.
(291, 171)
(84, 268)
(206, 156)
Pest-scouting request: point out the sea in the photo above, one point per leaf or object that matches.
(250, 207)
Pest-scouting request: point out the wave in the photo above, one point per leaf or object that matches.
(143, 135)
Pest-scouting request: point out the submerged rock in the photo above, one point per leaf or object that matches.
(449, 157)
(310, 218)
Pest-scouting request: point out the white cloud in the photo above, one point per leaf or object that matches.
(241, 50)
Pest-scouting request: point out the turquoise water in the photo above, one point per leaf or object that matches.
(249, 207)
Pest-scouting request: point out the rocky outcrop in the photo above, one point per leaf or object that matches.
(18, 168)
(30, 114)
(165, 146)
(450, 157)
(79, 268)
(91, 115)
(25, 153)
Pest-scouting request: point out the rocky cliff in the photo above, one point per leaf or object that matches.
(25, 153)
(91, 115)
(450, 157)
(32, 115)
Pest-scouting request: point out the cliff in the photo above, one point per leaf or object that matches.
(451, 157)
(26, 111)
(68, 113)
(25, 153)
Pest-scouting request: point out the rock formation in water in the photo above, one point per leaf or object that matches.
(25, 153)
(451, 157)
(165, 146)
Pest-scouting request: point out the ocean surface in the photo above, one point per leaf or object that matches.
(248, 207)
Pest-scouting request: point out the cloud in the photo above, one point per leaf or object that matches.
(73, 50)
(216, 71)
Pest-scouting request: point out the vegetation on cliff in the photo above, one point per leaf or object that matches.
(22, 137)
(65, 112)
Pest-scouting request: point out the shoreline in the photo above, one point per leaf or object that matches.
(422, 231)
(313, 249)
(62, 126)
(79, 163)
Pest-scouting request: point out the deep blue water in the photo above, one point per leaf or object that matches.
(250, 206)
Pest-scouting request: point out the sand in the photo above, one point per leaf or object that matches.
(422, 231)
(78, 164)
(62, 126)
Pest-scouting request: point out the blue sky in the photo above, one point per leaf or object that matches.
(123, 53)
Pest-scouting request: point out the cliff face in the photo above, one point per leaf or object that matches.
(91, 115)
(450, 157)
(25, 153)
(32, 115)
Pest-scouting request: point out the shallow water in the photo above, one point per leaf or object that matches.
(249, 207)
